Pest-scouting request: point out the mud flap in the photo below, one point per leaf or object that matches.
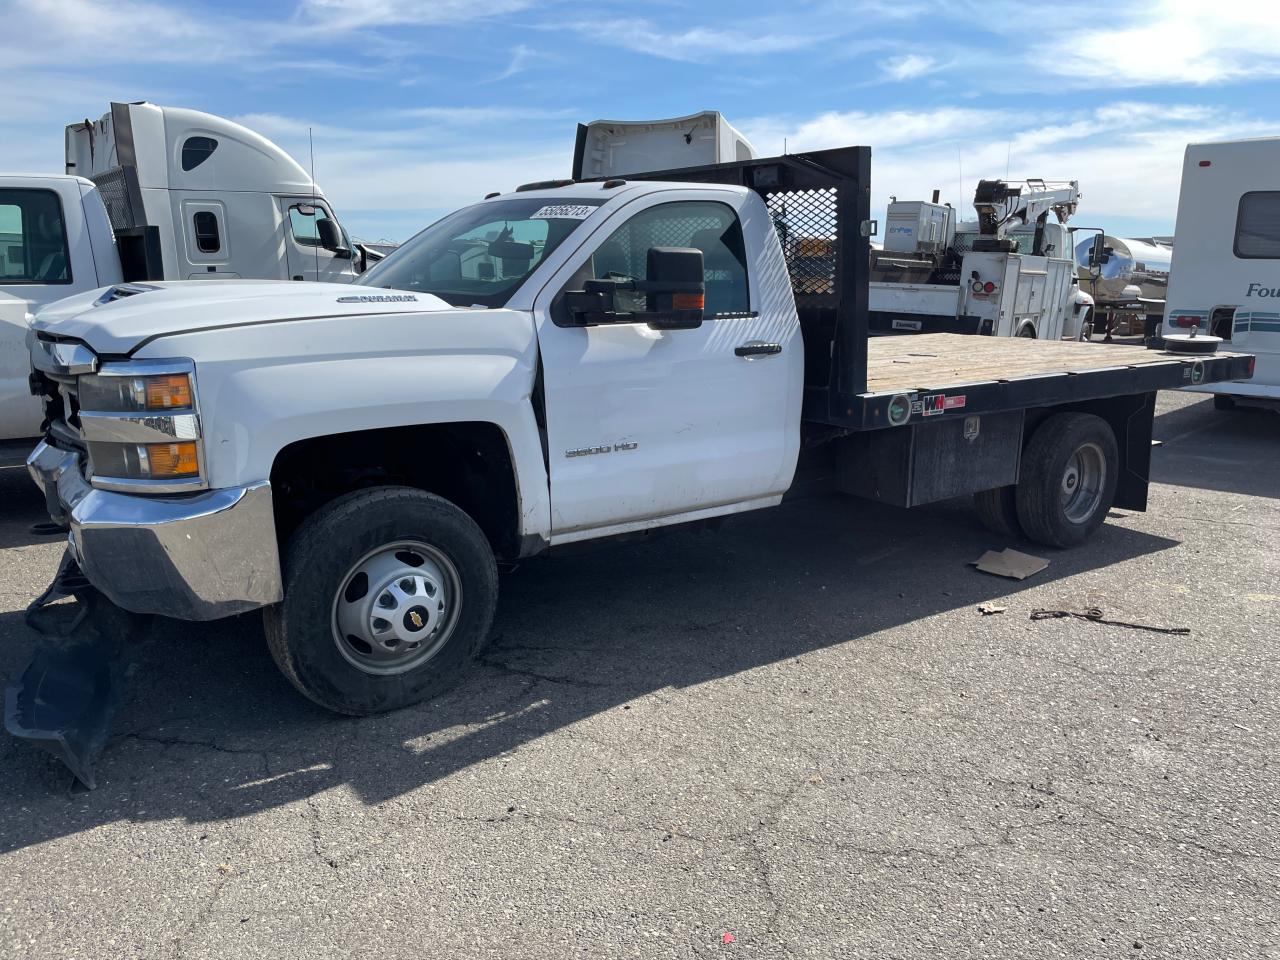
(66, 698)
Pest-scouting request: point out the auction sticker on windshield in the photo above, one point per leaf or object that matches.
(564, 211)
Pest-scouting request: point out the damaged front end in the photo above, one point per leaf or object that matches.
(66, 698)
(137, 544)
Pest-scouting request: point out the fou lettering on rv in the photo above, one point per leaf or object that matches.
(1258, 290)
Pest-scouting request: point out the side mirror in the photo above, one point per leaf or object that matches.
(676, 288)
(673, 297)
(331, 236)
(1099, 253)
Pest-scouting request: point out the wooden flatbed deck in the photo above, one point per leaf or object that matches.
(942, 361)
(957, 375)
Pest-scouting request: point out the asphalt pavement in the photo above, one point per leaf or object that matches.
(795, 736)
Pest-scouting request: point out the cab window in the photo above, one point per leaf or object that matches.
(33, 238)
(710, 227)
(303, 225)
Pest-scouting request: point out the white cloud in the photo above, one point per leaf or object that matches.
(1127, 155)
(910, 66)
(699, 43)
(1166, 42)
(347, 15)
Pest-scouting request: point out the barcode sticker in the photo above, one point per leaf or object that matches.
(564, 211)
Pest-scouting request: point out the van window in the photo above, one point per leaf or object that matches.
(206, 231)
(196, 150)
(1258, 226)
(33, 238)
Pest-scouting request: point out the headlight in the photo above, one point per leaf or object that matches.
(128, 394)
(142, 427)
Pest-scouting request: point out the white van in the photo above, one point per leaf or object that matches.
(1225, 275)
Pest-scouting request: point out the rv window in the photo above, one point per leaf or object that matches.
(206, 230)
(33, 238)
(1258, 226)
(196, 150)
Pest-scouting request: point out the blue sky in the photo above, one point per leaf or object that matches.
(419, 106)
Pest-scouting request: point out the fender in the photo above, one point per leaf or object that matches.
(264, 387)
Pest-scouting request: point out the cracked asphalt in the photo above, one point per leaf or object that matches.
(793, 737)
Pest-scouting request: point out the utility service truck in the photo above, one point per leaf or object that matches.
(563, 363)
(1009, 273)
(154, 193)
(1225, 277)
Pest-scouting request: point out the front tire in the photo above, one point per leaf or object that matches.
(389, 594)
(1068, 479)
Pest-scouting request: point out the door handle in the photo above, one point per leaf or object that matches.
(757, 348)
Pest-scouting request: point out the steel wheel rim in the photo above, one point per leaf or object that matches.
(396, 607)
(1083, 478)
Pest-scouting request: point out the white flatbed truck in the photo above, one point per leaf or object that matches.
(567, 362)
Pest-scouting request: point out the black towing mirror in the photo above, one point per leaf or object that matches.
(330, 235)
(673, 298)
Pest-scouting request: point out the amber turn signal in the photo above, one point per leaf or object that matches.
(168, 392)
(173, 460)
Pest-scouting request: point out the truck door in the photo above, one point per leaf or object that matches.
(647, 426)
(307, 259)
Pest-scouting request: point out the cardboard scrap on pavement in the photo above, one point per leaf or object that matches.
(1010, 563)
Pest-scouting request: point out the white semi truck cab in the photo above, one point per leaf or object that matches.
(155, 193)
(566, 362)
(224, 201)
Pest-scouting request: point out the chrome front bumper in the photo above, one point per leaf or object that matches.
(198, 557)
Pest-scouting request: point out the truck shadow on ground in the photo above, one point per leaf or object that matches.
(1244, 456)
(210, 730)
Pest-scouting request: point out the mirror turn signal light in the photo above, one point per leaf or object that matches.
(688, 301)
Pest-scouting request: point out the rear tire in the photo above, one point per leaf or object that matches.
(998, 511)
(1068, 479)
(340, 636)
(1224, 401)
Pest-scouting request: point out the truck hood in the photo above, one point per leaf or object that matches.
(118, 319)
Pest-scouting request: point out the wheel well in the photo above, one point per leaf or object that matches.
(469, 464)
(1131, 419)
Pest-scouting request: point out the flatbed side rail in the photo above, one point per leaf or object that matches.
(819, 202)
(928, 401)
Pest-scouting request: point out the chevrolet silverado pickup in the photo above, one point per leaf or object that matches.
(565, 362)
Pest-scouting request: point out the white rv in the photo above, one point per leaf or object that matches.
(1225, 275)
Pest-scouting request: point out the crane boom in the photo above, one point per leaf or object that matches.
(999, 203)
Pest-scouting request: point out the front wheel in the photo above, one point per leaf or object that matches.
(1068, 479)
(389, 593)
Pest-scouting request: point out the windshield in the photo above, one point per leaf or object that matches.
(481, 254)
